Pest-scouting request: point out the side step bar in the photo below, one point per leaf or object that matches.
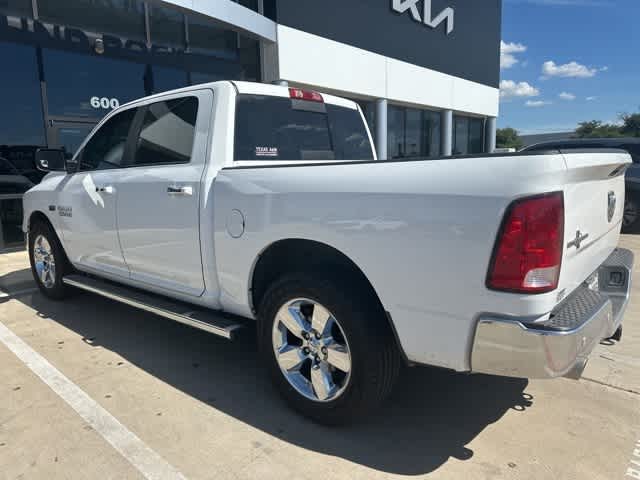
(218, 323)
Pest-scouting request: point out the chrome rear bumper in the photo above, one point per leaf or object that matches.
(561, 345)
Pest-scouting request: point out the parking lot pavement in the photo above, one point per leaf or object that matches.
(204, 407)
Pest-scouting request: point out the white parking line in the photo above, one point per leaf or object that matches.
(148, 462)
(9, 295)
(634, 471)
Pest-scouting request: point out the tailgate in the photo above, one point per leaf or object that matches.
(594, 205)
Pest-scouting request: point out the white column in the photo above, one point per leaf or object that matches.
(381, 122)
(490, 134)
(446, 131)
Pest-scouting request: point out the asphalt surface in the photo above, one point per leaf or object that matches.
(93, 389)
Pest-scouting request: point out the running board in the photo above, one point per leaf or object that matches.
(218, 323)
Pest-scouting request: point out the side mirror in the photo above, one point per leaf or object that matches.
(71, 165)
(50, 160)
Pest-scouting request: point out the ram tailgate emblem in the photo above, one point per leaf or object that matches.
(401, 6)
(577, 242)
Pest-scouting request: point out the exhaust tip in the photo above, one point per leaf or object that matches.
(576, 372)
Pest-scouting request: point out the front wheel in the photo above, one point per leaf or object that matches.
(48, 261)
(328, 347)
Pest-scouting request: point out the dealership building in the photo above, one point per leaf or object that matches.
(426, 72)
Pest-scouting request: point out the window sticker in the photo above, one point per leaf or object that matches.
(267, 151)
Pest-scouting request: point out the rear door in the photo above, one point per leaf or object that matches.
(158, 200)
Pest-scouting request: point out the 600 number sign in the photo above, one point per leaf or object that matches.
(104, 102)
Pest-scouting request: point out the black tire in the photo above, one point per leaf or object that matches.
(631, 218)
(57, 290)
(375, 359)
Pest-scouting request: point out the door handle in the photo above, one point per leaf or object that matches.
(177, 190)
(108, 189)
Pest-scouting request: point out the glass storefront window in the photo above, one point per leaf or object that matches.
(199, 77)
(167, 27)
(208, 38)
(21, 8)
(476, 135)
(124, 18)
(20, 95)
(250, 4)
(461, 136)
(165, 79)
(468, 135)
(11, 223)
(90, 86)
(413, 133)
(435, 138)
(249, 58)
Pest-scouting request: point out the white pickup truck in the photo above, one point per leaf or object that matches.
(228, 202)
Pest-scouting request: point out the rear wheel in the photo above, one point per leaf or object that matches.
(48, 261)
(328, 349)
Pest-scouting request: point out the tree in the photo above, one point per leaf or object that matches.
(631, 124)
(508, 138)
(597, 129)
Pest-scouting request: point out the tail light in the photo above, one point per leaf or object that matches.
(528, 251)
(299, 94)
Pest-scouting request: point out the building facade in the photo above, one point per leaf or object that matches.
(426, 72)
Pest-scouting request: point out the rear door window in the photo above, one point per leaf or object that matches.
(167, 132)
(278, 128)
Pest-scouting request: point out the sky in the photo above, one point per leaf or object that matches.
(567, 61)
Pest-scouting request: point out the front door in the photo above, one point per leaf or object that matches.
(159, 203)
(87, 199)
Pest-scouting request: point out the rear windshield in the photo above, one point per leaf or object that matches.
(277, 128)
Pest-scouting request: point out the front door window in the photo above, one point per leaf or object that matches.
(69, 136)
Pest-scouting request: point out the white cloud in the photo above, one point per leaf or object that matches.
(567, 96)
(511, 89)
(591, 99)
(537, 103)
(568, 70)
(508, 53)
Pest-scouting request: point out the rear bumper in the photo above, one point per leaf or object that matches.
(561, 345)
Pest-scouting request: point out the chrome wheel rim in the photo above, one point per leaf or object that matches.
(45, 263)
(312, 350)
(630, 213)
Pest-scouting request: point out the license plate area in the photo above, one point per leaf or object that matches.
(613, 279)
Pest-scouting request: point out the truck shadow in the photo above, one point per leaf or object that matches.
(431, 417)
